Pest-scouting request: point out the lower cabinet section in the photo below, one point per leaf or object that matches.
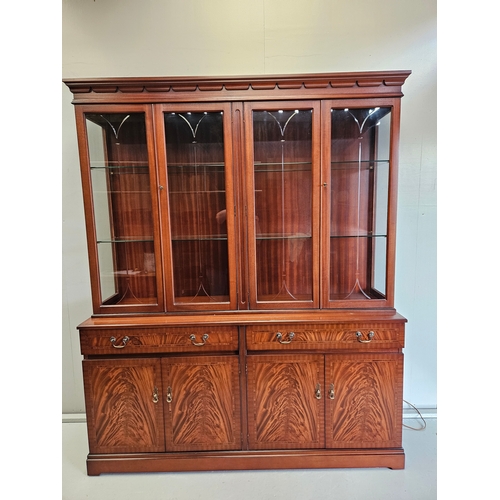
(255, 409)
(149, 405)
(332, 401)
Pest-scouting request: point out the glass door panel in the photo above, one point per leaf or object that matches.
(283, 221)
(200, 206)
(122, 205)
(359, 192)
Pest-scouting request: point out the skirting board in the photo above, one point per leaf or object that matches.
(408, 413)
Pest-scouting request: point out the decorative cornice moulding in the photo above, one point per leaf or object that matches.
(145, 89)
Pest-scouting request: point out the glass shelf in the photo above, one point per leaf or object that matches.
(123, 240)
(358, 236)
(267, 167)
(183, 166)
(200, 238)
(354, 164)
(122, 167)
(122, 192)
(283, 236)
(198, 191)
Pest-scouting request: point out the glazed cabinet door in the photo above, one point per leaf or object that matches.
(359, 180)
(285, 401)
(364, 400)
(124, 405)
(198, 208)
(282, 198)
(119, 182)
(202, 403)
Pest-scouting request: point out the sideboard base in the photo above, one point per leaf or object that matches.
(97, 464)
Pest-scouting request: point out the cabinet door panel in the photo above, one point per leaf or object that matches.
(124, 408)
(199, 203)
(285, 410)
(358, 175)
(282, 183)
(202, 408)
(119, 182)
(366, 409)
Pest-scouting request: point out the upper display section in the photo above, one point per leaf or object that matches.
(240, 193)
(231, 88)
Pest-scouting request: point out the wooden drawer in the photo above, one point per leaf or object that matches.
(157, 340)
(325, 336)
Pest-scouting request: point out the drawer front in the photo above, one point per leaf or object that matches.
(325, 336)
(157, 340)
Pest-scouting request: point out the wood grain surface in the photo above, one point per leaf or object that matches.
(204, 411)
(283, 410)
(366, 410)
(122, 416)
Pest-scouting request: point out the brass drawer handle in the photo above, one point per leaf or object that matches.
(359, 335)
(279, 336)
(169, 395)
(155, 395)
(317, 393)
(124, 342)
(331, 392)
(204, 339)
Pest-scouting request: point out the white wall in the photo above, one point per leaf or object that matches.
(231, 37)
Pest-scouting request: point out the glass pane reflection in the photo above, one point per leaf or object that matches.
(359, 193)
(122, 207)
(283, 204)
(197, 201)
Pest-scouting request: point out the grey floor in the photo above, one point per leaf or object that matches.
(416, 482)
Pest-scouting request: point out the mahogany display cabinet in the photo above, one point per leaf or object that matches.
(241, 240)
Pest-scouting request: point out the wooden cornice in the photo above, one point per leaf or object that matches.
(178, 89)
